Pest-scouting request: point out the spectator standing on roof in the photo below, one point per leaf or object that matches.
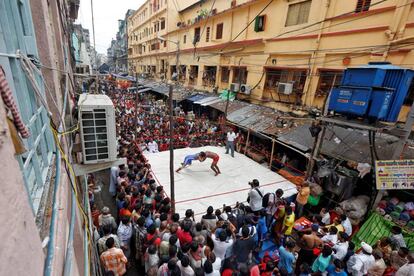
(255, 196)
(231, 136)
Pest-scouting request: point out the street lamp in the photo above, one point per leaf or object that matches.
(170, 96)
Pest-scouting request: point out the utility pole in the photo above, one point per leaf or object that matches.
(136, 105)
(172, 192)
(171, 109)
(228, 92)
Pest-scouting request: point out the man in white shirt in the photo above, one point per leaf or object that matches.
(221, 244)
(152, 147)
(346, 223)
(360, 263)
(231, 136)
(341, 248)
(255, 196)
(408, 268)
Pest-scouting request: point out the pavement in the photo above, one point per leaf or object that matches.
(103, 198)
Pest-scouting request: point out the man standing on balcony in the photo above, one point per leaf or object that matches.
(231, 136)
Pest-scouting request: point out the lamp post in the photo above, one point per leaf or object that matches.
(171, 117)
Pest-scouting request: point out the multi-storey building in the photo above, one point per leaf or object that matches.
(82, 48)
(286, 52)
(47, 230)
(118, 51)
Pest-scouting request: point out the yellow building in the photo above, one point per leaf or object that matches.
(284, 53)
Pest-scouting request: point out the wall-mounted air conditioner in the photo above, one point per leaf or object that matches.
(285, 88)
(245, 89)
(97, 128)
(234, 87)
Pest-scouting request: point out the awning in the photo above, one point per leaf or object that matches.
(144, 90)
(217, 100)
(196, 98)
(205, 100)
(344, 143)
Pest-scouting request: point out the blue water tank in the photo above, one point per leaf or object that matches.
(350, 100)
(388, 86)
(402, 87)
(363, 77)
(381, 100)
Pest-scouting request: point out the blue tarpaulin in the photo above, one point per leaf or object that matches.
(197, 97)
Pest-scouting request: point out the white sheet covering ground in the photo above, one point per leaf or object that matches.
(196, 187)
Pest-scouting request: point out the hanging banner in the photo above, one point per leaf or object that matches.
(394, 174)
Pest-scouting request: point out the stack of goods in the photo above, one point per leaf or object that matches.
(354, 208)
(401, 213)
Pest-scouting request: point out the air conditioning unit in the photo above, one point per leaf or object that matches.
(285, 88)
(234, 87)
(245, 89)
(97, 128)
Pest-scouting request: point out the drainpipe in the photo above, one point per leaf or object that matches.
(85, 232)
(69, 247)
(51, 244)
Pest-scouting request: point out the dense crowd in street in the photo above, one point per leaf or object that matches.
(228, 240)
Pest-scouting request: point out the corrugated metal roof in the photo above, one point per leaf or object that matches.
(197, 97)
(217, 100)
(345, 143)
(205, 100)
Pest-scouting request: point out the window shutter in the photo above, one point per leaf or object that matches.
(257, 24)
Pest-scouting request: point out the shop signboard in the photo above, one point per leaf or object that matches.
(394, 174)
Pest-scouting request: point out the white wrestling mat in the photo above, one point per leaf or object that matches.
(196, 187)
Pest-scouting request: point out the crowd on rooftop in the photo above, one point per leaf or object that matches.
(145, 233)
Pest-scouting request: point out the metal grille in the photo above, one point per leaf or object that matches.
(95, 133)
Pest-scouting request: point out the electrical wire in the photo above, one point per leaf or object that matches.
(247, 26)
(329, 19)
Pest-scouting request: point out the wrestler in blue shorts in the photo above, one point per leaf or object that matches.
(188, 160)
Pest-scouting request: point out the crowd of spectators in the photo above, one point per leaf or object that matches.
(145, 233)
(151, 128)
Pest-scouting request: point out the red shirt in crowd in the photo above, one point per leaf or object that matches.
(184, 237)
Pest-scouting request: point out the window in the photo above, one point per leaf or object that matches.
(240, 75)
(36, 161)
(219, 31)
(196, 35)
(207, 34)
(225, 74)
(185, 39)
(275, 76)
(193, 75)
(162, 24)
(259, 23)
(298, 13)
(327, 81)
(209, 76)
(363, 5)
(165, 43)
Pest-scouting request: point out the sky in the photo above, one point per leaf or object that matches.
(106, 15)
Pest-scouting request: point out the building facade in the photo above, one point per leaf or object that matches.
(117, 53)
(285, 54)
(84, 52)
(45, 227)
